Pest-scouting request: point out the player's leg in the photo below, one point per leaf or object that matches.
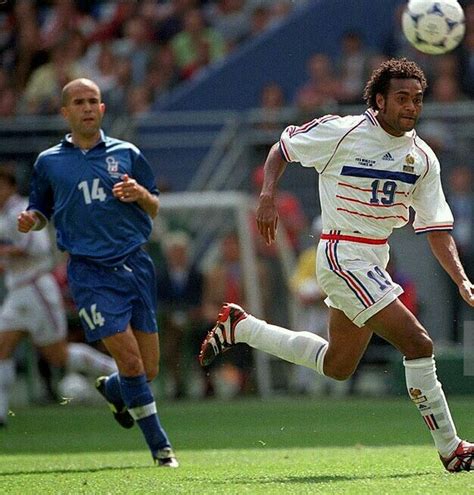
(136, 393)
(9, 339)
(81, 358)
(340, 355)
(397, 325)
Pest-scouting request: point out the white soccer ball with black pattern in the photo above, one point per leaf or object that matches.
(433, 27)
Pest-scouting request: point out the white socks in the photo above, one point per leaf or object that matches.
(84, 358)
(7, 378)
(427, 394)
(303, 348)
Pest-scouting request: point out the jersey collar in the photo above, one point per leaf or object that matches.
(371, 114)
(68, 139)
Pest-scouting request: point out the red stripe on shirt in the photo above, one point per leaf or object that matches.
(378, 205)
(372, 216)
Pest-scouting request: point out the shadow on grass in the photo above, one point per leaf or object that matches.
(319, 479)
(67, 471)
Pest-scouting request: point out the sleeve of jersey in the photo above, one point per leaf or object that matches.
(312, 144)
(432, 212)
(41, 195)
(143, 174)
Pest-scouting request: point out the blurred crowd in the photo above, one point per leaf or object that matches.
(137, 51)
(330, 82)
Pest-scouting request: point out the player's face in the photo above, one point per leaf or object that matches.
(84, 110)
(400, 109)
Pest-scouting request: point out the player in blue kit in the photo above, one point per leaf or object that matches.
(101, 194)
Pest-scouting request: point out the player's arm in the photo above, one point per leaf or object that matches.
(444, 248)
(30, 220)
(130, 191)
(267, 214)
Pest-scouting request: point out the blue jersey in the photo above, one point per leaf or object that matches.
(74, 188)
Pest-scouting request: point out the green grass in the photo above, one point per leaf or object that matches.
(284, 446)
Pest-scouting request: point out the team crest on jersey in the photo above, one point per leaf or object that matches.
(113, 167)
(409, 162)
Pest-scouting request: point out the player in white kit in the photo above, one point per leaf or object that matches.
(33, 304)
(372, 169)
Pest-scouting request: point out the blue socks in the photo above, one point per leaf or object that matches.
(137, 396)
(112, 389)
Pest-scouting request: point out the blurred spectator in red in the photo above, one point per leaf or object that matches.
(322, 88)
(446, 88)
(272, 100)
(110, 19)
(291, 216)
(61, 18)
(259, 20)
(197, 44)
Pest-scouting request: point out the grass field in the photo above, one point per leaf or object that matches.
(280, 446)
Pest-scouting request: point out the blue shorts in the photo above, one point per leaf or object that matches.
(108, 298)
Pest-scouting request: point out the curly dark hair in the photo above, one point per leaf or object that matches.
(395, 68)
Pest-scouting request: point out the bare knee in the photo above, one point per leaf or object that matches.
(419, 346)
(130, 365)
(152, 372)
(338, 371)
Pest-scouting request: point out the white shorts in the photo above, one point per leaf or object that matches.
(36, 308)
(354, 277)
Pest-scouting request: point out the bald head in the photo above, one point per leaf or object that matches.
(77, 84)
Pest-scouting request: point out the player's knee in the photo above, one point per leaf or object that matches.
(419, 346)
(338, 372)
(152, 373)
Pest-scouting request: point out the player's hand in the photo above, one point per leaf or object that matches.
(466, 289)
(267, 218)
(26, 221)
(128, 191)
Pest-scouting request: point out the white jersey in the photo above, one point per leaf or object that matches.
(368, 178)
(37, 246)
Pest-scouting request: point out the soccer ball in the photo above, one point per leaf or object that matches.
(433, 27)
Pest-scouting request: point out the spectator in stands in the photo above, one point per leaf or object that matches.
(123, 83)
(172, 18)
(259, 20)
(162, 75)
(137, 46)
(24, 48)
(8, 102)
(197, 44)
(312, 312)
(467, 62)
(292, 217)
(180, 288)
(44, 86)
(231, 19)
(63, 17)
(272, 101)
(224, 280)
(461, 198)
(353, 67)
(446, 88)
(322, 88)
(139, 100)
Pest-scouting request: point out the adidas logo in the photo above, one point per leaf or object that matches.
(388, 157)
